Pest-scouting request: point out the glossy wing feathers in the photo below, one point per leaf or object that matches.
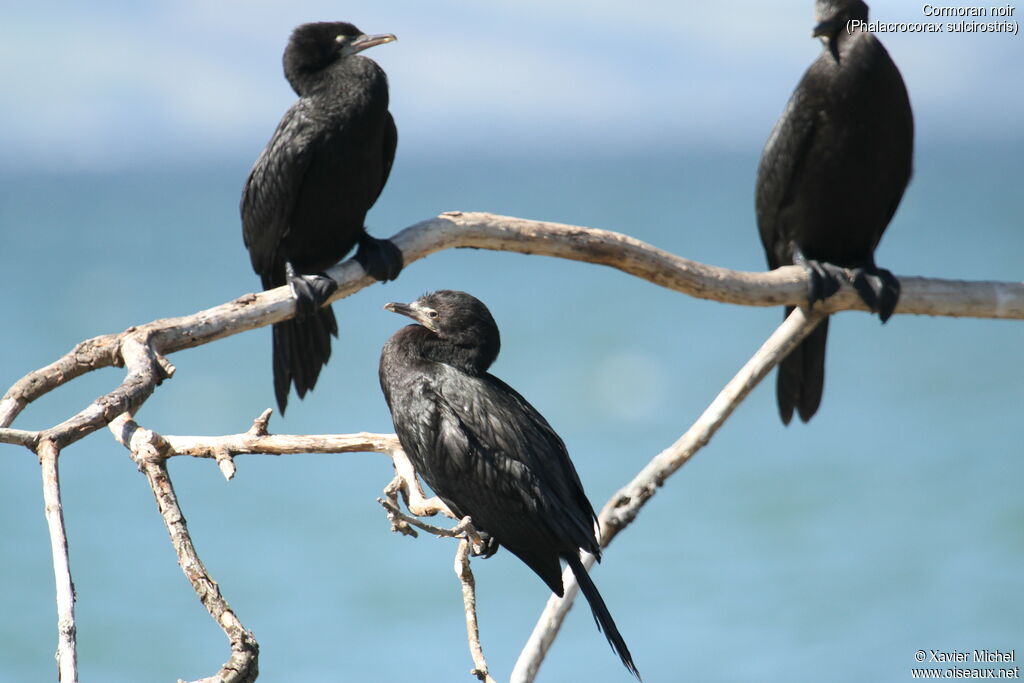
(272, 189)
(778, 177)
(511, 453)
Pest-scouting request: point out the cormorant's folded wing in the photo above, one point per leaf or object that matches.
(273, 186)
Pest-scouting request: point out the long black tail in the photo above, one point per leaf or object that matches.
(301, 348)
(801, 376)
(602, 616)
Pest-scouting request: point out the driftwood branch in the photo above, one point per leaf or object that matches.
(257, 439)
(788, 285)
(142, 350)
(623, 507)
(465, 575)
(67, 651)
(407, 484)
(150, 452)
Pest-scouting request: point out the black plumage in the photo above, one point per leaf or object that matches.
(307, 195)
(483, 449)
(831, 177)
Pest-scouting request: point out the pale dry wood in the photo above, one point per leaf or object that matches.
(465, 575)
(142, 349)
(67, 649)
(788, 285)
(258, 440)
(150, 452)
(130, 349)
(469, 541)
(407, 484)
(623, 507)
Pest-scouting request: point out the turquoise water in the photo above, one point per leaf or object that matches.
(830, 551)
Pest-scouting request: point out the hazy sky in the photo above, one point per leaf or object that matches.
(112, 84)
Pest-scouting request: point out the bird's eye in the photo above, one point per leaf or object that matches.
(340, 39)
(432, 314)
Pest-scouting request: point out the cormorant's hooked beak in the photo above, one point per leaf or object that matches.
(423, 315)
(827, 31)
(360, 43)
(827, 28)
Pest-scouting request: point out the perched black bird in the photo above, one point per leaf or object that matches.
(307, 195)
(483, 449)
(831, 176)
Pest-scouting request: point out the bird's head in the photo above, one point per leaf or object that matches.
(314, 47)
(459, 320)
(833, 16)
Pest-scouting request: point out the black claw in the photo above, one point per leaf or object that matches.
(888, 294)
(488, 543)
(867, 286)
(823, 278)
(878, 288)
(380, 258)
(310, 291)
(814, 280)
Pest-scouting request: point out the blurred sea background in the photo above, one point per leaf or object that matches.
(893, 522)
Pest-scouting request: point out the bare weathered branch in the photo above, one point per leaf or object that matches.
(20, 437)
(143, 349)
(399, 518)
(150, 452)
(408, 486)
(258, 440)
(406, 482)
(67, 650)
(98, 352)
(131, 350)
(283, 444)
(788, 285)
(465, 574)
(623, 507)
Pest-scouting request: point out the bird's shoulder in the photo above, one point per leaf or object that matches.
(500, 432)
(502, 448)
(275, 180)
(782, 160)
(491, 407)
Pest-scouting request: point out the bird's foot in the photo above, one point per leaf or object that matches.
(481, 543)
(487, 546)
(823, 280)
(878, 288)
(310, 291)
(380, 258)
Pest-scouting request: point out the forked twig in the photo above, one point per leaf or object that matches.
(150, 452)
(405, 481)
(468, 582)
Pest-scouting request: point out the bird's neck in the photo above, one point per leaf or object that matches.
(472, 359)
(359, 79)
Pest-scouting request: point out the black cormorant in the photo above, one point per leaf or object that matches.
(307, 195)
(483, 449)
(831, 176)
